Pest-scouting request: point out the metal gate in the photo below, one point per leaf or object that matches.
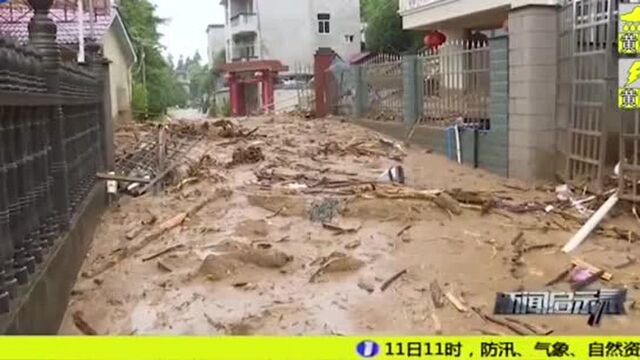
(629, 179)
(587, 54)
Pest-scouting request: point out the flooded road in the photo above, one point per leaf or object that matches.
(287, 252)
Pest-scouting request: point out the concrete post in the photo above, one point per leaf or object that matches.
(533, 33)
(411, 93)
(361, 91)
(494, 145)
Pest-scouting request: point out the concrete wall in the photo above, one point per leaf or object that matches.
(532, 83)
(345, 21)
(215, 42)
(288, 29)
(119, 74)
(47, 296)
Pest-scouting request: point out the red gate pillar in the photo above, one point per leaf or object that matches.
(267, 80)
(236, 95)
(269, 91)
(322, 62)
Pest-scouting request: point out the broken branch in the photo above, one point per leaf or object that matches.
(390, 281)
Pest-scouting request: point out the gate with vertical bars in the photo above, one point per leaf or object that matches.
(588, 79)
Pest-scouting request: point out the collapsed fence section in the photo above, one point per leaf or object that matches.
(384, 87)
(294, 91)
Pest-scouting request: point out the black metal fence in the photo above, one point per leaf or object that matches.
(51, 146)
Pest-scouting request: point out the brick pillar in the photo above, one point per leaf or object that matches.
(322, 62)
(533, 34)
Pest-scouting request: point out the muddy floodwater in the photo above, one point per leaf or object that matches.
(274, 243)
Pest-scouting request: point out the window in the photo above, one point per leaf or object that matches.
(348, 39)
(324, 26)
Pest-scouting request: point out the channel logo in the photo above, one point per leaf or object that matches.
(368, 349)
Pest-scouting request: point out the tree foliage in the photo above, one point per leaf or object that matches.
(384, 28)
(155, 86)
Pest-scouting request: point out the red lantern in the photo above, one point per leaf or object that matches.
(434, 40)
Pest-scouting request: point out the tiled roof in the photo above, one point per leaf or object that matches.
(67, 26)
(359, 58)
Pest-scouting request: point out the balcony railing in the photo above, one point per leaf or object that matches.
(244, 53)
(414, 4)
(243, 23)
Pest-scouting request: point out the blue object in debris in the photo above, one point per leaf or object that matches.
(4, 1)
(450, 142)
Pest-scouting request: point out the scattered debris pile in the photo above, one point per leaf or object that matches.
(361, 147)
(244, 156)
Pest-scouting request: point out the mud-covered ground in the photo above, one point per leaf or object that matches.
(257, 259)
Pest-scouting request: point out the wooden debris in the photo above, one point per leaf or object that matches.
(538, 330)
(489, 332)
(513, 327)
(165, 251)
(629, 262)
(538, 247)
(437, 296)
(129, 179)
(437, 326)
(338, 230)
(352, 245)
(404, 230)
(250, 132)
(366, 286)
(456, 302)
(185, 182)
(157, 179)
(276, 213)
(168, 225)
(518, 240)
(336, 262)
(163, 266)
(149, 220)
(133, 233)
(560, 277)
(82, 325)
(448, 203)
(594, 269)
(390, 281)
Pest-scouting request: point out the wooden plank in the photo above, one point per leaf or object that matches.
(103, 176)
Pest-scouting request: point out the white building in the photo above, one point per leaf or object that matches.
(216, 40)
(290, 30)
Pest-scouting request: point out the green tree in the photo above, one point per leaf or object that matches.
(155, 85)
(384, 28)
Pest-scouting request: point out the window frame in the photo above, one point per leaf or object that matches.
(324, 23)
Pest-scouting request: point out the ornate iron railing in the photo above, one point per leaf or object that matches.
(51, 146)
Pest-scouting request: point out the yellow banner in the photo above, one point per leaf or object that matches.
(316, 348)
